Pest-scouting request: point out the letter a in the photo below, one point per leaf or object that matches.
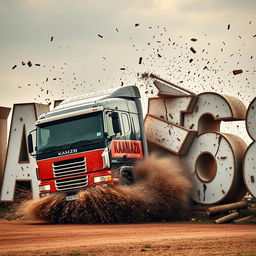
(19, 165)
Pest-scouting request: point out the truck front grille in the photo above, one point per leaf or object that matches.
(71, 183)
(70, 167)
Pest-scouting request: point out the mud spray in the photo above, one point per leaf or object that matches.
(160, 192)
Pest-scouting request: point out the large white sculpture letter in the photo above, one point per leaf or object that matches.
(4, 113)
(249, 171)
(20, 166)
(164, 123)
(215, 159)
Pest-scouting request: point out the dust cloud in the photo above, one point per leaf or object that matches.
(160, 192)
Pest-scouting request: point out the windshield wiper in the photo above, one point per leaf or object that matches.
(49, 149)
(83, 142)
(77, 143)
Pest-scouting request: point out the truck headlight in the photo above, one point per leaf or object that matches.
(102, 178)
(105, 159)
(44, 188)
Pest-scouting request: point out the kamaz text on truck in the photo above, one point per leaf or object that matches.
(89, 140)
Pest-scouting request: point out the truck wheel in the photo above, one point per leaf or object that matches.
(126, 176)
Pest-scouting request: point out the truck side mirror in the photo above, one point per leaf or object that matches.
(30, 144)
(116, 122)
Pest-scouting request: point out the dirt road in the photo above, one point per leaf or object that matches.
(38, 238)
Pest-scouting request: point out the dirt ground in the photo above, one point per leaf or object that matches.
(38, 238)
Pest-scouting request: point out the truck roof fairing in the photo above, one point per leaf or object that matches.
(122, 92)
(83, 104)
(68, 115)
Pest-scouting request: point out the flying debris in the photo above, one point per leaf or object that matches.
(192, 50)
(238, 71)
(175, 58)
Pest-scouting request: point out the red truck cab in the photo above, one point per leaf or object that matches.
(89, 140)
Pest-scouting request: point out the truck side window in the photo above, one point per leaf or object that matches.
(126, 123)
(44, 137)
(136, 133)
(109, 125)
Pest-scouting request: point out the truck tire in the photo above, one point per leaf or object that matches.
(126, 176)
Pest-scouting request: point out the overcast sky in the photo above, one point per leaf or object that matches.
(96, 45)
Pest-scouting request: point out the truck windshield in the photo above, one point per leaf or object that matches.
(80, 129)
